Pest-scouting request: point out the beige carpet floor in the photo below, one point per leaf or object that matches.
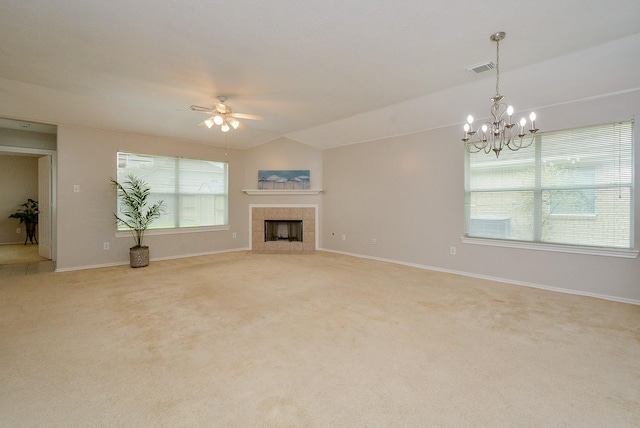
(324, 340)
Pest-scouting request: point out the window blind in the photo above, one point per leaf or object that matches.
(194, 191)
(572, 187)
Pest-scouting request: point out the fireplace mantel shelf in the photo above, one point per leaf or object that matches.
(281, 192)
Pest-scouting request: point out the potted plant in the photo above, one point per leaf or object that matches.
(136, 215)
(27, 213)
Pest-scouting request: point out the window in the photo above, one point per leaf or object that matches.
(194, 191)
(576, 201)
(572, 187)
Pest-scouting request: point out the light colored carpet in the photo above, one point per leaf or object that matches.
(324, 340)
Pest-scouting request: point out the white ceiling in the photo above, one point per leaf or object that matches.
(326, 72)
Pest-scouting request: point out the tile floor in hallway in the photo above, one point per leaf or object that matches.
(17, 260)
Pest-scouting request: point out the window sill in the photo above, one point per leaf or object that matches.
(254, 192)
(592, 251)
(174, 231)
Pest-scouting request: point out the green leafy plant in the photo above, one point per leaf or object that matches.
(27, 212)
(135, 214)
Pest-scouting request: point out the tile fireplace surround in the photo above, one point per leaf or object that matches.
(305, 213)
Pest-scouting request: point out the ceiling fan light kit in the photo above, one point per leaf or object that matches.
(222, 115)
(501, 132)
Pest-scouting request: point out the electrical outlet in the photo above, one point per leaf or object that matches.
(76, 188)
(344, 237)
(18, 230)
(105, 246)
(233, 235)
(452, 251)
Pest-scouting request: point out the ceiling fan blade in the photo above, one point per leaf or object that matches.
(222, 109)
(201, 109)
(247, 116)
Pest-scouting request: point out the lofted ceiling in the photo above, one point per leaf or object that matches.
(324, 73)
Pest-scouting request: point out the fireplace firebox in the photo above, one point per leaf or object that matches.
(283, 230)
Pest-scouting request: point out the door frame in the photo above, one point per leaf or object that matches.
(54, 179)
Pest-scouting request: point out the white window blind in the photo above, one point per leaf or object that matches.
(194, 191)
(572, 187)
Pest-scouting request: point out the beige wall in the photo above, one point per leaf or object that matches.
(87, 157)
(407, 193)
(27, 139)
(283, 154)
(19, 178)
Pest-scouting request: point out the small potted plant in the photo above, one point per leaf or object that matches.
(27, 213)
(136, 215)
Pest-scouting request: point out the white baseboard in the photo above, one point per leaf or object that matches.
(208, 253)
(104, 265)
(492, 278)
(153, 259)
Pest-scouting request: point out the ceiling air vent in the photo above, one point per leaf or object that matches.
(481, 68)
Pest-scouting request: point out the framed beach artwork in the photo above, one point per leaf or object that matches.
(290, 179)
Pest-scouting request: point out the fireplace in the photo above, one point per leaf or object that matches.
(283, 229)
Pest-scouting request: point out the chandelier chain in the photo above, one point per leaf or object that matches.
(497, 67)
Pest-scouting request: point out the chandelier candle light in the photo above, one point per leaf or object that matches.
(501, 132)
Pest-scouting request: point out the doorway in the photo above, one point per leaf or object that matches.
(32, 148)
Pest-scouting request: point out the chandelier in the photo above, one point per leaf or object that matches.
(501, 132)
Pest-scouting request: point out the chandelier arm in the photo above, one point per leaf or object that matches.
(513, 136)
(469, 148)
(500, 109)
(495, 111)
(531, 139)
(477, 144)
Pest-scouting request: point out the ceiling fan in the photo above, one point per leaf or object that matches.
(222, 116)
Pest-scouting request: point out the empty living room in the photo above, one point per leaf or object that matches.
(319, 214)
